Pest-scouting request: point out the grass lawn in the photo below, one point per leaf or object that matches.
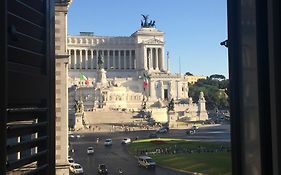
(184, 155)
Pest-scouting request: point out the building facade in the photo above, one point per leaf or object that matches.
(192, 79)
(126, 62)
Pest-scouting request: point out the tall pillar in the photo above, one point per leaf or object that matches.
(162, 59)
(108, 59)
(130, 59)
(86, 59)
(156, 59)
(69, 59)
(145, 58)
(119, 59)
(92, 58)
(96, 59)
(113, 59)
(150, 60)
(80, 59)
(125, 59)
(75, 59)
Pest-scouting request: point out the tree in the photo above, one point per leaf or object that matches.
(214, 91)
(188, 73)
(217, 76)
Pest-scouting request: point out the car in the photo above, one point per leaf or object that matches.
(126, 141)
(108, 142)
(76, 168)
(71, 136)
(90, 150)
(195, 127)
(102, 169)
(70, 160)
(78, 136)
(163, 130)
(146, 161)
(138, 116)
(190, 131)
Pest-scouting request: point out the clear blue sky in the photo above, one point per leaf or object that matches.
(193, 28)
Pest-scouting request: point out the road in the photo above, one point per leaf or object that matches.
(116, 156)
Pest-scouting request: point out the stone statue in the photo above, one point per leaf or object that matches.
(201, 96)
(100, 62)
(79, 107)
(145, 23)
(171, 105)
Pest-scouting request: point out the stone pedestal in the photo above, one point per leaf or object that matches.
(78, 121)
(101, 77)
(172, 119)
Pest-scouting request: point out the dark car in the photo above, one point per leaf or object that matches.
(102, 169)
(163, 129)
(190, 131)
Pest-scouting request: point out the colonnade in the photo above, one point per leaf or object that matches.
(154, 59)
(113, 59)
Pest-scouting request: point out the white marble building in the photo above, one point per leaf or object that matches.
(126, 61)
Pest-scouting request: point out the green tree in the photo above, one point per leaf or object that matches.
(214, 91)
(217, 76)
(188, 73)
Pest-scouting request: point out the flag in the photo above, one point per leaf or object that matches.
(145, 81)
(83, 77)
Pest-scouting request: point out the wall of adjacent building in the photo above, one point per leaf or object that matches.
(62, 166)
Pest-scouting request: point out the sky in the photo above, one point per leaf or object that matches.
(193, 28)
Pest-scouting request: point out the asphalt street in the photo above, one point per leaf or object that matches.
(116, 156)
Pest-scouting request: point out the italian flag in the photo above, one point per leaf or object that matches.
(83, 77)
(145, 81)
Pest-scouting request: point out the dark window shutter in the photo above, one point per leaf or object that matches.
(27, 100)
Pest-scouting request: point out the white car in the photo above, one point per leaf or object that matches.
(108, 142)
(126, 141)
(146, 162)
(76, 168)
(70, 160)
(90, 150)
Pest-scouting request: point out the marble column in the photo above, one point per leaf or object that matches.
(119, 59)
(150, 60)
(96, 60)
(108, 60)
(92, 58)
(130, 59)
(156, 59)
(80, 59)
(162, 59)
(75, 59)
(125, 59)
(145, 58)
(86, 59)
(113, 59)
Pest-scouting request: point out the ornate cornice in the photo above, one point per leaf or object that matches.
(153, 41)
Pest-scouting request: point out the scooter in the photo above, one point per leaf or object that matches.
(120, 172)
